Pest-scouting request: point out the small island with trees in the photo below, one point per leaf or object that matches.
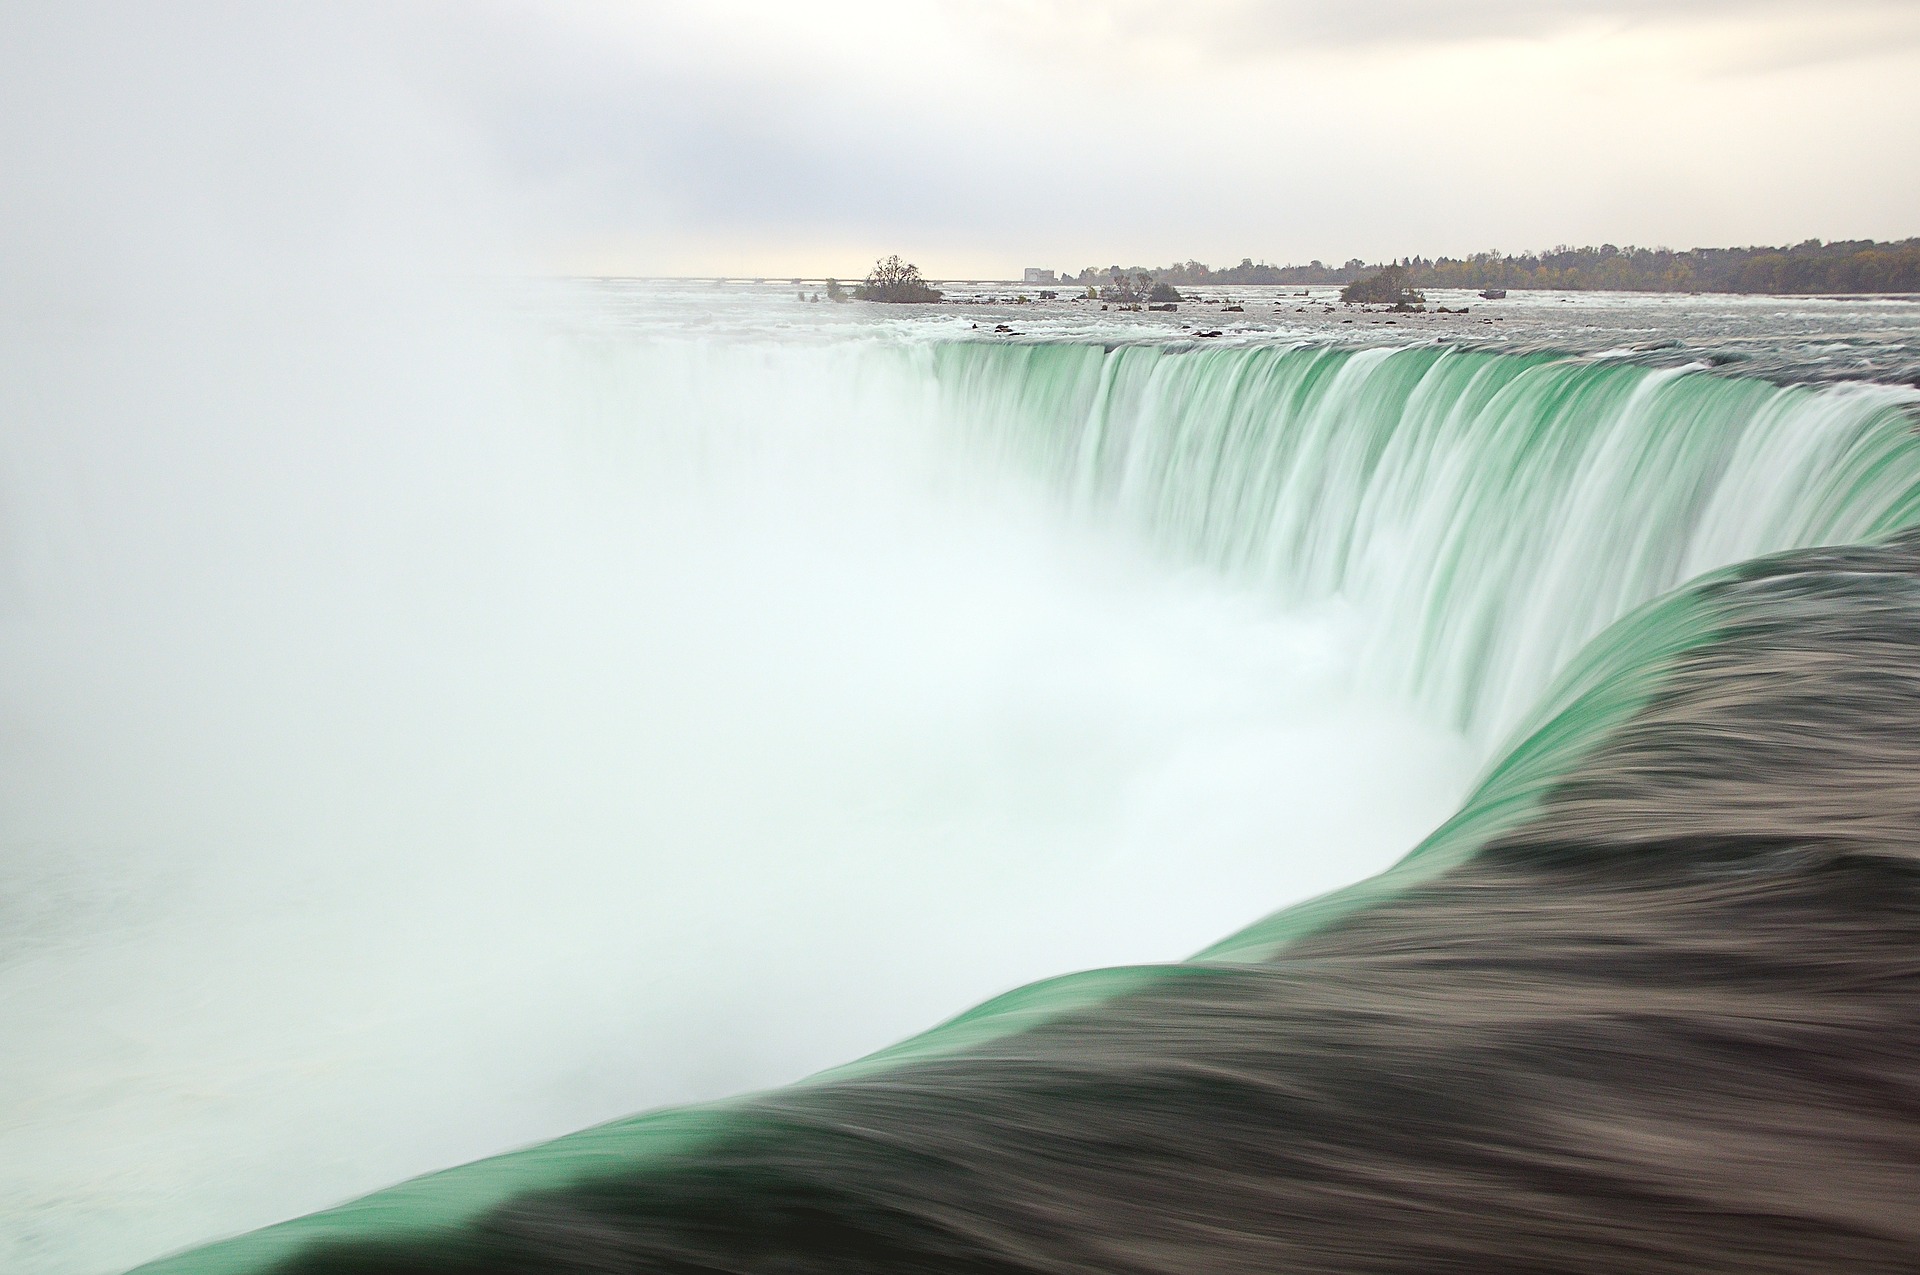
(1389, 287)
(896, 282)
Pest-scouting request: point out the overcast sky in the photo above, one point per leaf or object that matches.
(979, 136)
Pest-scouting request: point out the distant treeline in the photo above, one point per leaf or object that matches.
(1854, 265)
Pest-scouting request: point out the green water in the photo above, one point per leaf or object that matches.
(1488, 513)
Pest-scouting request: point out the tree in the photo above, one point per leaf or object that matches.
(1126, 287)
(897, 281)
(1389, 287)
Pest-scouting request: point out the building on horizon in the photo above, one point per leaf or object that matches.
(1036, 275)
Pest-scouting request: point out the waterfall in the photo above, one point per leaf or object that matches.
(1489, 513)
(838, 539)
